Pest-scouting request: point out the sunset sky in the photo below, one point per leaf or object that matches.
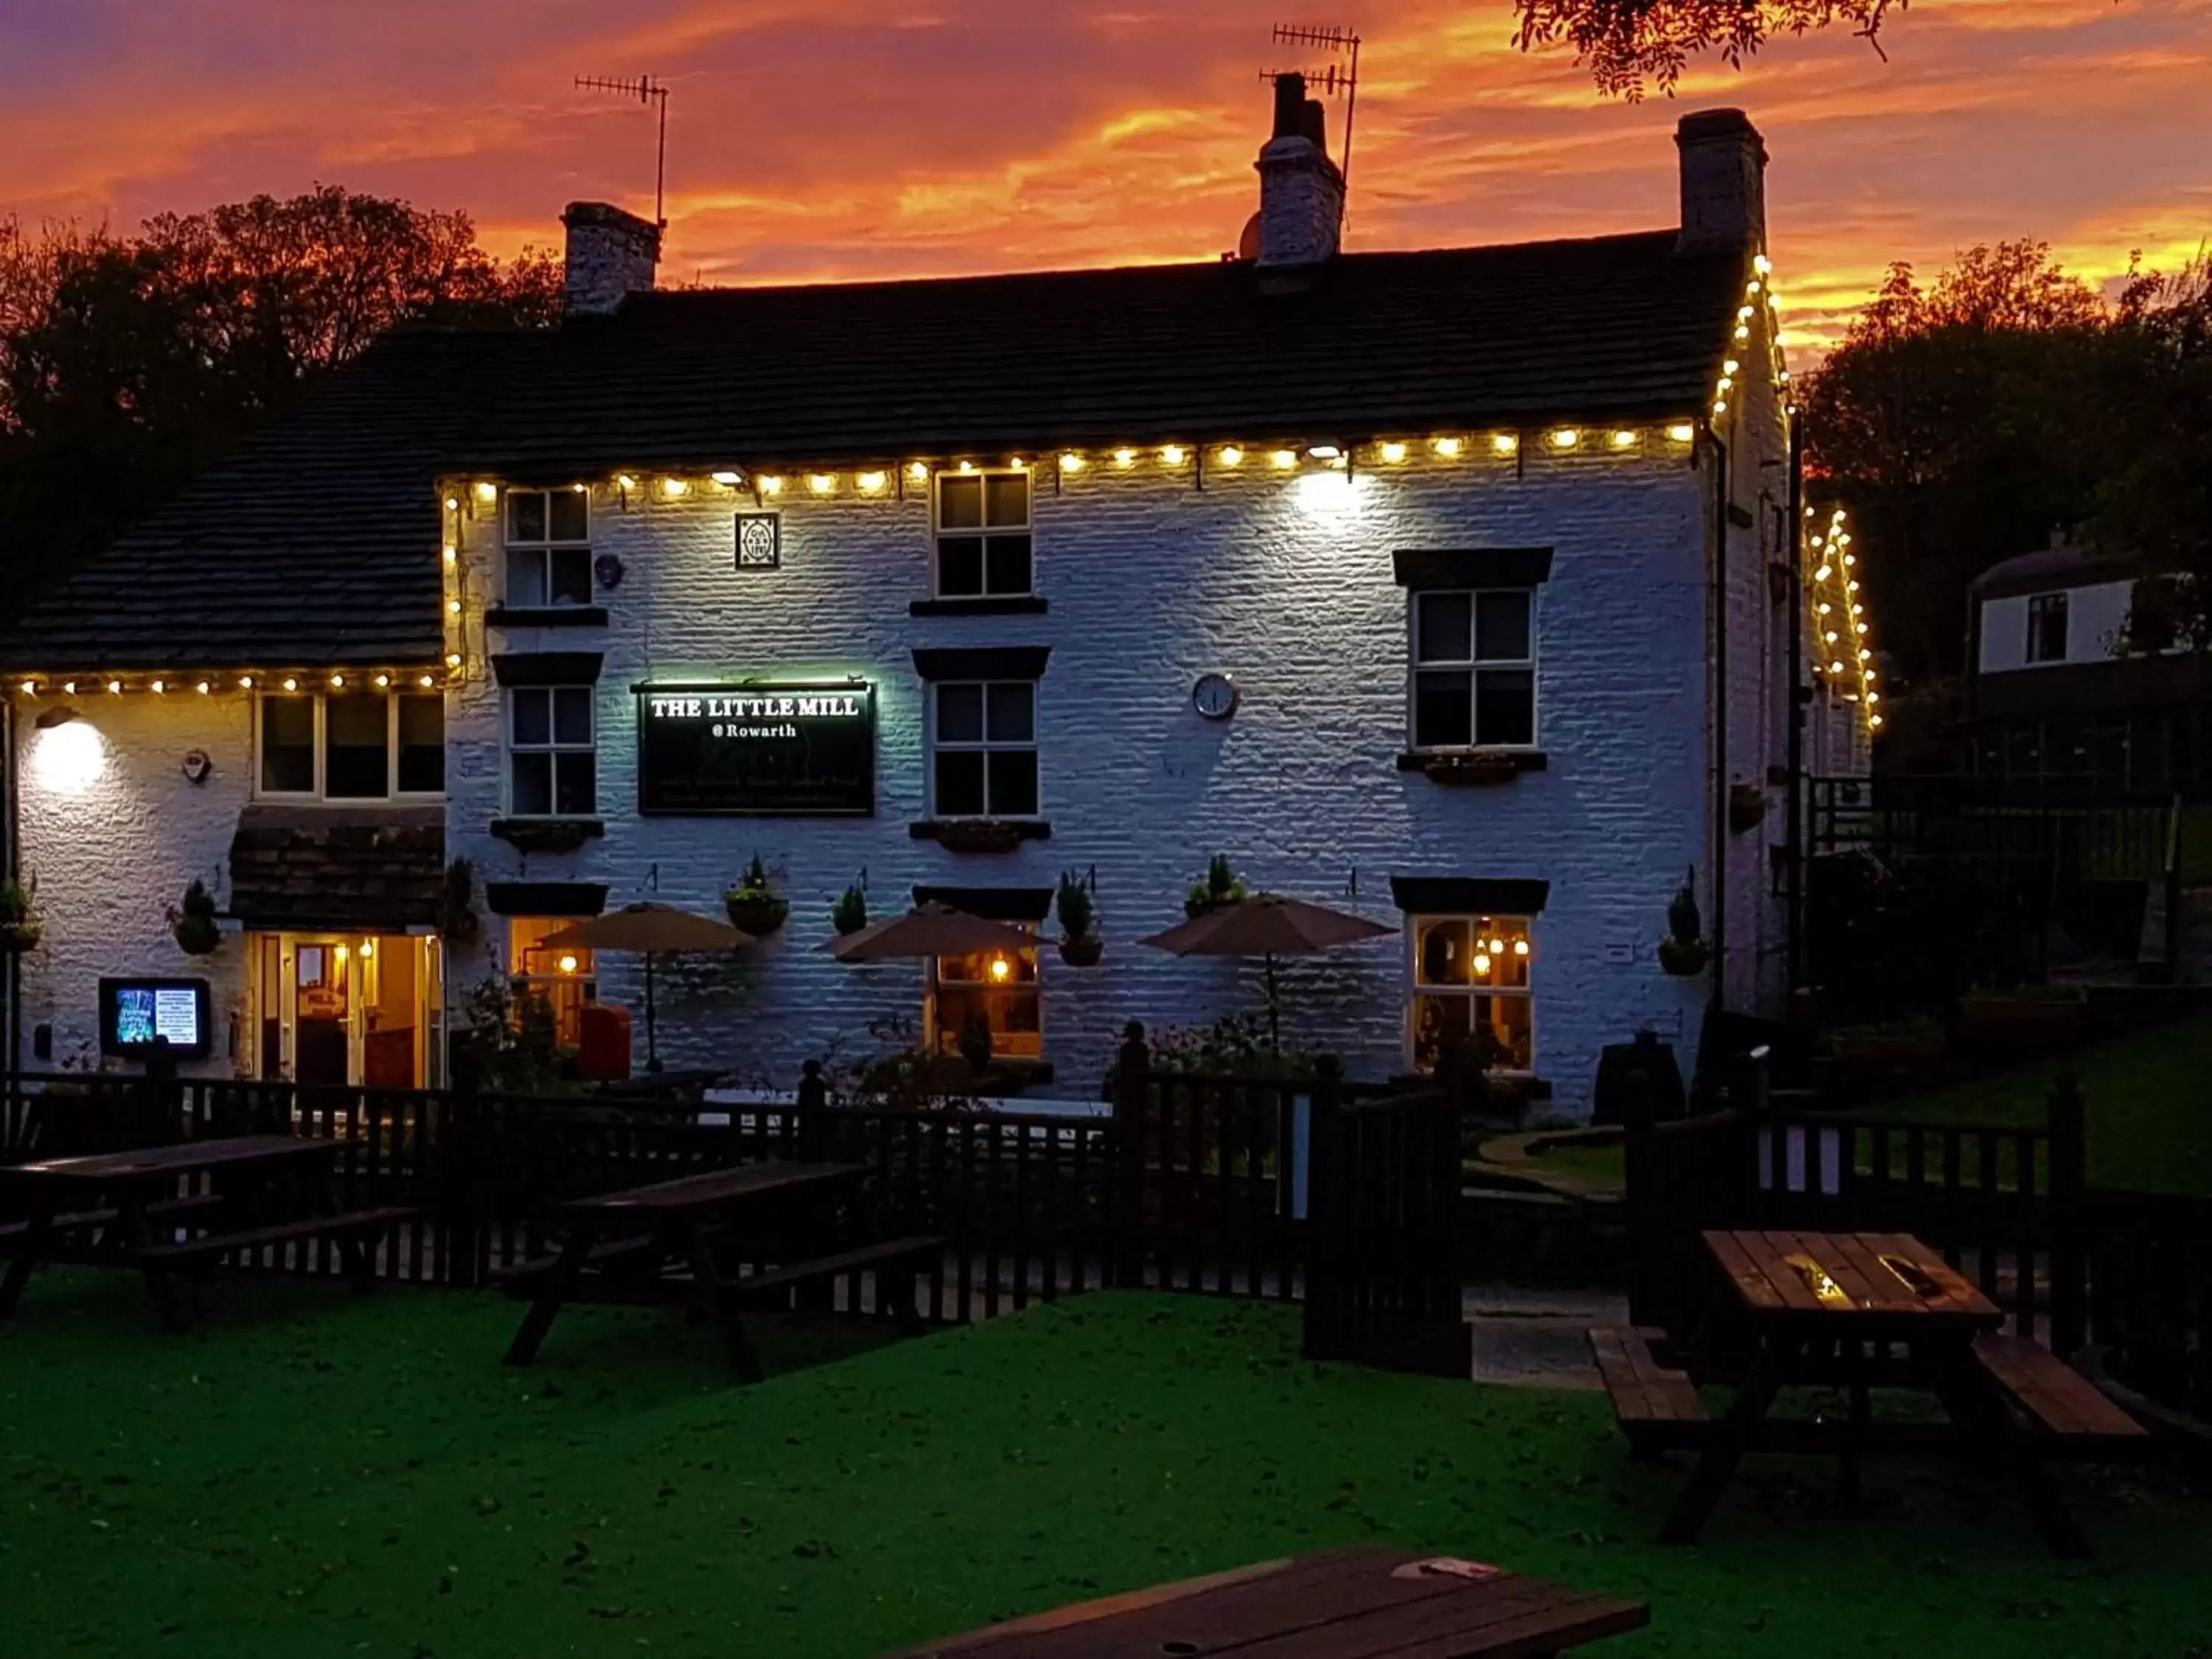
(818, 138)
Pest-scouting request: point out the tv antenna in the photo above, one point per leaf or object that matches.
(1331, 79)
(647, 89)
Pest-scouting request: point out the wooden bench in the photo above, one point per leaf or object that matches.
(77, 1221)
(356, 1227)
(1657, 1407)
(2069, 1414)
(898, 1262)
(524, 1279)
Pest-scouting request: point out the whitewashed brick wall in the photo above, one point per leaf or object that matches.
(1284, 583)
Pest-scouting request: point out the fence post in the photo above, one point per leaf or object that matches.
(459, 1186)
(1644, 1199)
(161, 1101)
(2069, 1267)
(811, 1111)
(1132, 1105)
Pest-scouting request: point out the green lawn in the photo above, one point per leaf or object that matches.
(311, 1475)
(2149, 1100)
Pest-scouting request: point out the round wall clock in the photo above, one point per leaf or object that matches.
(1215, 696)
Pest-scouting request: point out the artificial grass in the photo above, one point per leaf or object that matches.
(310, 1474)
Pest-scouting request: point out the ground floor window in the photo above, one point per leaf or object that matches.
(563, 977)
(992, 992)
(361, 1010)
(1471, 985)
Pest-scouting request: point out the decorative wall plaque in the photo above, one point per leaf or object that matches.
(760, 541)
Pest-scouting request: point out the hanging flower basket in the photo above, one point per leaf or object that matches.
(1083, 953)
(1684, 958)
(18, 937)
(757, 913)
(192, 923)
(1747, 808)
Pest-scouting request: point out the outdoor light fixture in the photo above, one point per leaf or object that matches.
(1622, 439)
(55, 717)
(202, 688)
(453, 660)
(487, 491)
(1231, 455)
(425, 682)
(1566, 438)
(452, 553)
(673, 488)
(1172, 455)
(69, 756)
(115, 686)
(1125, 458)
(567, 964)
(383, 680)
(1325, 453)
(770, 486)
(967, 466)
(291, 685)
(1071, 462)
(869, 482)
(1682, 432)
(157, 687)
(1001, 970)
(1018, 463)
(728, 479)
(452, 503)
(918, 471)
(821, 483)
(1446, 447)
(1285, 459)
(337, 682)
(1394, 452)
(367, 950)
(1504, 443)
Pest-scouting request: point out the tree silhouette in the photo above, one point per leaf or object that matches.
(1627, 44)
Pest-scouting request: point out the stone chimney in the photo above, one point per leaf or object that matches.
(1301, 191)
(1723, 182)
(611, 255)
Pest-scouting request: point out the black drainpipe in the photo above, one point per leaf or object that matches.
(11, 965)
(1719, 878)
(1800, 696)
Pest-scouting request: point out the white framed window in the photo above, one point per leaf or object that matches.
(548, 548)
(2046, 628)
(983, 545)
(1001, 991)
(552, 753)
(1471, 985)
(1474, 669)
(350, 745)
(566, 979)
(983, 761)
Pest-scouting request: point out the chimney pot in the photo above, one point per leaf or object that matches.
(1723, 162)
(611, 254)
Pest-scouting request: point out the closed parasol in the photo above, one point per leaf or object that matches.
(1267, 927)
(650, 930)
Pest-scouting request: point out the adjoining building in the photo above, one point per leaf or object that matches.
(1459, 588)
(2063, 698)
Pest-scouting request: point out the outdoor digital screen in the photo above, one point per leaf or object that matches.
(134, 1013)
(797, 750)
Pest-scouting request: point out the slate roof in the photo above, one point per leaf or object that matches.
(377, 867)
(318, 545)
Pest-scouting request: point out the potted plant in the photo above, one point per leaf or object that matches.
(978, 836)
(1472, 766)
(1684, 951)
(1080, 944)
(192, 924)
(19, 925)
(850, 913)
(456, 916)
(1222, 885)
(751, 905)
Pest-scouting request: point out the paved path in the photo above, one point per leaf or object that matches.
(1534, 1337)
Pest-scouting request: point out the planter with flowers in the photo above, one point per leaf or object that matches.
(192, 923)
(753, 905)
(1684, 952)
(1222, 885)
(19, 924)
(1080, 944)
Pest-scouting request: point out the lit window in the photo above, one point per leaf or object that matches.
(1470, 987)
(984, 750)
(983, 535)
(548, 555)
(565, 979)
(355, 745)
(552, 758)
(994, 990)
(1474, 669)
(2046, 628)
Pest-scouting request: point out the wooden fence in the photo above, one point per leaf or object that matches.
(2127, 1273)
(1195, 1182)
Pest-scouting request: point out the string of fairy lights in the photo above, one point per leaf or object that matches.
(1842, 659)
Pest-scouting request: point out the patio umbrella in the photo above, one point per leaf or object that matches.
(929, 930)
(650, 930)
(1267, 927)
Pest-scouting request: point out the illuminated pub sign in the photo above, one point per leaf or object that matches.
(806, 751)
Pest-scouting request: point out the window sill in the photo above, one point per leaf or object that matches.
(547, 616)
(547, 835)
(1469, 766)
(998, 604)
(979, 835)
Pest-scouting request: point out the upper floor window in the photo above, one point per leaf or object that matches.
(552, 755)
(984, 758)
(549, 553)
(351, 745)
(983, 535)
(2046, 628)
(1474, 668)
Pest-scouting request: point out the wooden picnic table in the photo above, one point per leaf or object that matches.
(134, 1195)
(635, 1239)
(1817, 1304)
(1358, 1603)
